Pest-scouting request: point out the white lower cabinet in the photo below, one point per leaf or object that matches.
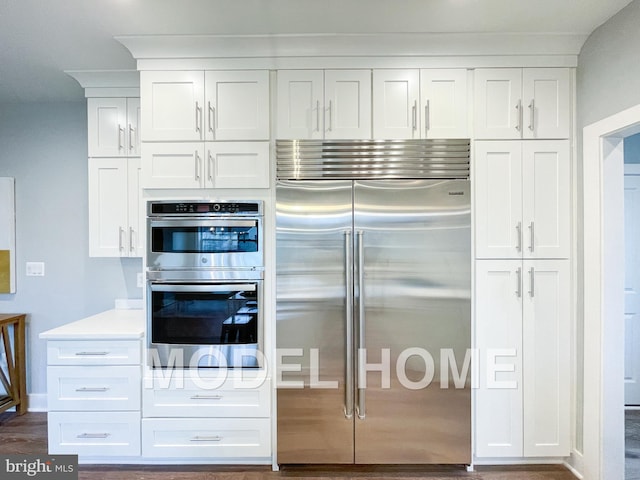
(523, 337)
(223, 421)
(94, 397)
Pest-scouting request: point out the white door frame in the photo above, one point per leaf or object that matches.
(603, 296)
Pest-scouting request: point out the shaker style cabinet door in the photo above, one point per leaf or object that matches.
(396, 103)
(237, 105)
(545, 96)
(443, 101)
(237, 165)
(347, 104)
(499, 410)
(174, 165)
(498, 103)
(172, 105)
(107, 127)
(134, 121)
(300, 104)
(498, 199)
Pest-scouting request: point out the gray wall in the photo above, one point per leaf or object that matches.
(44, 146)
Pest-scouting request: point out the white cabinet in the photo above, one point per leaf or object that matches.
(224, 420)
(317, 104)
(113, 127)
(205, 165)
(522, 199)
(115, 220)
(94, 397)
(523, 336)
(428, 103)
(197, 105)
(529, 103)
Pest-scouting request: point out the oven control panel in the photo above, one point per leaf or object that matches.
(205, 208)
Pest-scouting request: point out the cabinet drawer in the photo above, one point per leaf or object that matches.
(87, 433)
(190, 401)
(205, 437)
(93, 388)
(90, 352)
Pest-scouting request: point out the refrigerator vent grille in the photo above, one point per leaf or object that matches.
(356, 159)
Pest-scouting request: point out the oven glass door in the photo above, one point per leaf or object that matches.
(204, 314)
(205, 237)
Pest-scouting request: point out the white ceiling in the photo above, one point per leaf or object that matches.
(39, 39)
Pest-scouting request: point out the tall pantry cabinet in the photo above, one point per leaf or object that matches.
(522, 198)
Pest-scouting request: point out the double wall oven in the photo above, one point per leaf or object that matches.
(205, 270)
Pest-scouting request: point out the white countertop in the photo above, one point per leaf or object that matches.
(109, 325)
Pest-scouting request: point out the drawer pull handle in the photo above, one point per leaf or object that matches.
(209, 438)
(92, 389)
(87, 354)
(206, 397)
(93, 435)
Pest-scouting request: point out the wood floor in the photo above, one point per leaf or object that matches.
(28, 434)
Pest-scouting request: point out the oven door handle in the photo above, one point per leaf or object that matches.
(181, 222)
(181, 287)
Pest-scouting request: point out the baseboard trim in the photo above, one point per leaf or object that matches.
(37, 402)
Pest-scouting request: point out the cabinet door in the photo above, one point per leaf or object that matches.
(237, 165)
(237, 105)
(546, 359)
(443, 99)
(134, 121)
(173, 165)
(107, 207)
(546, 199)
(499, 427)
(135, 210)
(546, 94)
(498, 103)
(498, 199)
(395, 104)
(172, 105)
(300, 104)
(347, 104)
(106, 123)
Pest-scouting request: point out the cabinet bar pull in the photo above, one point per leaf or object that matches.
(120, 232)
(131, 145)
(414, 112)
(532, 237)
(212, 116)
(206, 397)
(93, 435)
(519, 284)
(197, 117)
(197, 165)
(131, 244)
(207, 438)
(427, 120)
(317, 115)
(330, 122)
(519, 110)
(120, 135)
(209, 165)
(92, 389)
(532, 279)
(86, 354)
(532, 115)
(519, 231)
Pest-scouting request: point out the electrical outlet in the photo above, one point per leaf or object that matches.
(35, 269)
(139, 280)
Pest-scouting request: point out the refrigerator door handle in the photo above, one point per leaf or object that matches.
(348, 272)
(361, 320)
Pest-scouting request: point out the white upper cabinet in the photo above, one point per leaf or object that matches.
(113, 127)
(172, 105)
(428, 103)
(317, 104)
(529, 103)
(443, 101)
(237, 105)
(115, 221)
(396, 97)
(522, 199)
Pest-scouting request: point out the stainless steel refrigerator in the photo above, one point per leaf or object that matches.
(373, 302)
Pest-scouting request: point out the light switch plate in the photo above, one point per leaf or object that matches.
(35, 269)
